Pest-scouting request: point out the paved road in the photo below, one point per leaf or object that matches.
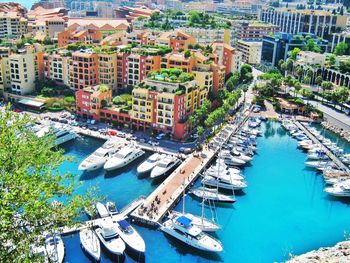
(338, 118)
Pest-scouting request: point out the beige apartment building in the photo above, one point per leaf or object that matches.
(12, 25)
(250, 50)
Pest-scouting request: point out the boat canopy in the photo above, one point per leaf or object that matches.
(124, 224)
(183, 220)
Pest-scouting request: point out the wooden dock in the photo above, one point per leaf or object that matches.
(124, 212)
(331, 156)
(167, 194)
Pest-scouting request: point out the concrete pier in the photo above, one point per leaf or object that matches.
(167, 194)
(331, 156)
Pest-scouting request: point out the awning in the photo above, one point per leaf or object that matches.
(185, 221)
(33, 103)
(123, 224)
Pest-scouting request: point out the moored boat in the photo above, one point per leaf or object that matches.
(54, 248)
(130, 236)
(90, 243)
(164, 166)
(212, 195)
(150, 163)
(123, 157)
(183, 230)
(108, 234)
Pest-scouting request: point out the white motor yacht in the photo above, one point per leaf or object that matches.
(316, 164)
(336, 180)
(234, 161)
(102, 210)
(217, 182)
(241, 156)
(212, 195)
(107, 232)
(341, 189)
(90, 243)
(54, 248)
(64, 135)
(198, 221)
(182, 229)
(164, 166)
(130, 236)
(224, 174)
(345, 158)
(61, 133)
(99, 157)
(318, 155)
(148, 165)
(112, 208)
(123, 157)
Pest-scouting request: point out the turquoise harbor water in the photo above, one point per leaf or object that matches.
(284, 209)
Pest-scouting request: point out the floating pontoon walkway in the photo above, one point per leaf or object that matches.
(331, 156)
(123, 213)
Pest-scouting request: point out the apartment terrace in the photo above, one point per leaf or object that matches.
(147, 50)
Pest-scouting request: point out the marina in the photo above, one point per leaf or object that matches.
(257, 213)
(333, 157)
(167, 194)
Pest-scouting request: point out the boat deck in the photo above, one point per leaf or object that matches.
(123, 213)
(167, 194)
(331, 156)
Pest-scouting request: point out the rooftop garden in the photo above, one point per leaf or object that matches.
(105, 49)
(147, 50)
(123, 102)
(172, 75)
(102, 88)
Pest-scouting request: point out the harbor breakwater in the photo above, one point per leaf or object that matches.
(338, 253)
(344, 134)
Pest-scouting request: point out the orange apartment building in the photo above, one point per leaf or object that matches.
(84, 70)
(86, 36)
(180, 41)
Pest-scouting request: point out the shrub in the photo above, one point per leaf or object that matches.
(69, 99)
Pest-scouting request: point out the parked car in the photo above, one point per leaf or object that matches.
(186, 150)
(160, 136)
(194, 136)
(153, 143)
(121, 134)
(112, 132)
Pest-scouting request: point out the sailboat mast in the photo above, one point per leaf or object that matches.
(183, 198)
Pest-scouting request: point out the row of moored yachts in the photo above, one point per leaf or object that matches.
(116, 153)
(337, 179)
(222, 177)
(111, 230)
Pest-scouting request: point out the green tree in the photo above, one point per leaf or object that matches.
(326, 85)
(245, 68)
(340, 95)
(299, 71)
(318, 80)
(47, 41)
(306, 93)
(331, 59)
(340, 49)
(29, 182)
(294, 53)
(200, 131)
